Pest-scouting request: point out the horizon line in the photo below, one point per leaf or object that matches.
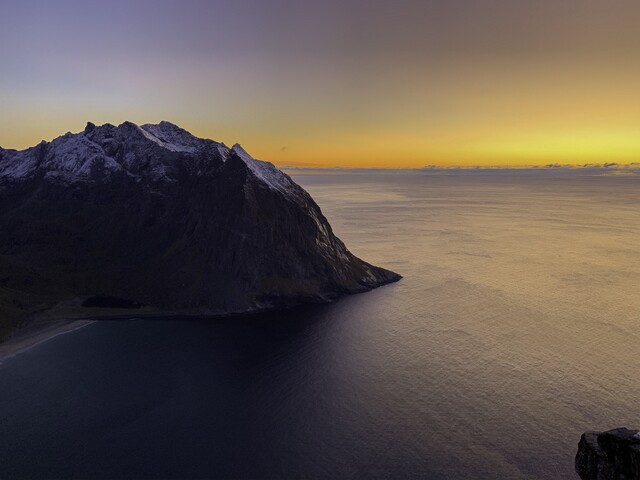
(546, 167)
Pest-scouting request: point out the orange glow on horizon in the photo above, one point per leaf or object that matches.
(533, 84)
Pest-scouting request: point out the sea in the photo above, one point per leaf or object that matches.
(513, 331)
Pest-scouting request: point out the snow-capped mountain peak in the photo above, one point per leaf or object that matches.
(153, 152)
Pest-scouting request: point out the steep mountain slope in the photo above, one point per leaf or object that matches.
(156, 215)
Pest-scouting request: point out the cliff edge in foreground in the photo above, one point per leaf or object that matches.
(612, 455)
(159, 217)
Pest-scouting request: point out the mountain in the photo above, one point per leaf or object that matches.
(157, 216)
(610, 455)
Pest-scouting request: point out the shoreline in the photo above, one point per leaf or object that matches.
(37, 333)
(43, 329)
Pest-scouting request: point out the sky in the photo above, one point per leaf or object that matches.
(365, 83)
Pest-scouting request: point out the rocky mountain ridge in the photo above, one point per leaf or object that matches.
(160, 217)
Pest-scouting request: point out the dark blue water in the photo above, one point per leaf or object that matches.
(262, 396)
(513, 331)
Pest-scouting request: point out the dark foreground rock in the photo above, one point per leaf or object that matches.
(611, 455)
(162, 218)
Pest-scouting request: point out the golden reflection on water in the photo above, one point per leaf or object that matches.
(518, 311)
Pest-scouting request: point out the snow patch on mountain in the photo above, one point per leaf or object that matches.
(171, 137)
(76, 156)
(15, 164)
(69, 157)
(265, 171)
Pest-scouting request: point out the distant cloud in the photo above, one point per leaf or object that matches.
(552, 169)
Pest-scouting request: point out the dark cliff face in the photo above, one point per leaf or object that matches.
(611, 455)
(160, 217)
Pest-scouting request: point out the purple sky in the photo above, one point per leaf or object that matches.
(336, 82)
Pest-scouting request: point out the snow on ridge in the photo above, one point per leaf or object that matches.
(75, 157)
(16, 164)
(265, 171)
(83, 156)
(223, 151)
(171, 137)
(69, 157)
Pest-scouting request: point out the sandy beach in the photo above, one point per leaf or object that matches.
(36, 333)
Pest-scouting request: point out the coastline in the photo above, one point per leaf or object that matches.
(37, 333)
(64, 319)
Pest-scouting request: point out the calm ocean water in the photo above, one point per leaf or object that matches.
(514, 329)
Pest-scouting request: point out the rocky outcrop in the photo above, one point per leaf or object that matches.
(157, 216)
(611, 455)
